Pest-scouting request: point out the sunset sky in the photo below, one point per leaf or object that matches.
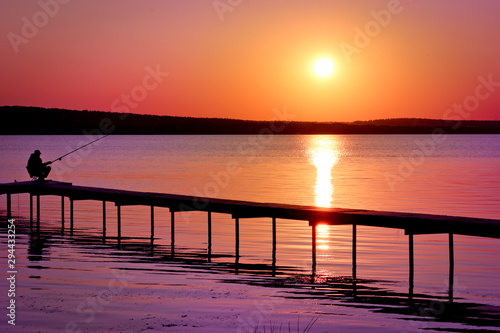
(243, 58)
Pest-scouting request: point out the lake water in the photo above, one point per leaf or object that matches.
(450, 175)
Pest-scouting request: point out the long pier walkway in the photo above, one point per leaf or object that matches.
(412, 224)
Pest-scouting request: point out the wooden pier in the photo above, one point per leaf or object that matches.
(412, 224)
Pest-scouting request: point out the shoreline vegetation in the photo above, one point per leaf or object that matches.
(20, 120)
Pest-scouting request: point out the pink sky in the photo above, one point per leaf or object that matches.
(244, 60)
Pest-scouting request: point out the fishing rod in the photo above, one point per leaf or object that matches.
(85, 145)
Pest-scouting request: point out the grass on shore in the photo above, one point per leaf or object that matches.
(279, 329)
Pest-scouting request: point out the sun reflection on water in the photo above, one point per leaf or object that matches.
(324, 154)
(322, 235)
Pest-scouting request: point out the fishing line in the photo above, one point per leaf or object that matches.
(85, 145)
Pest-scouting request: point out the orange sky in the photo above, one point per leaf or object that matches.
(244, 60)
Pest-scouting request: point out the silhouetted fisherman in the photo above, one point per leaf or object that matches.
(36, 168)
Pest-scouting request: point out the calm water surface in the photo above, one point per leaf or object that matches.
(451, 175)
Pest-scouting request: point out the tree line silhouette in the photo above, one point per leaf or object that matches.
(18, 120)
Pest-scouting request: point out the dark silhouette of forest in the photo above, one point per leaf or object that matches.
(16, 120)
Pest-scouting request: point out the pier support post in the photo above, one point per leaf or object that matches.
(354, 251)
(452, 267)
(172, 232)
(274, 241)
(237, 238)
(62, 213)
(411, 267)
(119, 223)
(104, 220)
(9, 208)
(209, 249)
(38, 213)
(314, 249)
(71, 216)
(31, 210)
(152, 224)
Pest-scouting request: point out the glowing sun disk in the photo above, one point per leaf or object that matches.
(323, 67)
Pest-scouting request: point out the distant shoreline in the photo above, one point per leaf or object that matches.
(19, 120)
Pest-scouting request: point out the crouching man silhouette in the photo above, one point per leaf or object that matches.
(36, 168)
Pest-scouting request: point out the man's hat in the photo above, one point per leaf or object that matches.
(37, 152)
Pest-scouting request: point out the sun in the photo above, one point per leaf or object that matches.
(323, 67)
